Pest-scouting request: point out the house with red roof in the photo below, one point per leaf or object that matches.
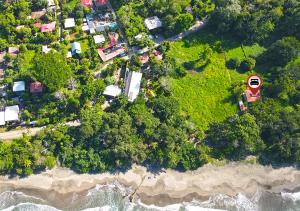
(250, 97)
(36, 87)
(50, 27)
(144, 58)
(106, 56)
(87, 3)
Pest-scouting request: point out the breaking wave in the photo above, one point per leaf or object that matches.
(112, 197)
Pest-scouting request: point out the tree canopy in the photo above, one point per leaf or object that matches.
(52, 70)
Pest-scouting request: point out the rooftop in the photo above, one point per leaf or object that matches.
(36, 87)
(132, 88)
(144, 58)
(13, 51)
(99, 39)
(11, 113)
(49, 27)
(153, 23)
(112, 90)
(69, 23)
(86, 3)
(251, 97)
(76, 48)
(19, 86)
(105, 57)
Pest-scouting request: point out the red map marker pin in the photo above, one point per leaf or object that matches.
(254, 82)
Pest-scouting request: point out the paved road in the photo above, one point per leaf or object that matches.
(9, 135)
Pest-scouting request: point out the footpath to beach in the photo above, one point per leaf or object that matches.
(59, 185)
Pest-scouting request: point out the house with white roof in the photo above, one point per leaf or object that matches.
(2, 117)
(76, 48)
(132, 86)
(69, 23)
(10, 114)
(19, 86)
(153, 23)
(112, 91)
(99, 39)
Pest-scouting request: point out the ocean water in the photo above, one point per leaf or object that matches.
(110, 197)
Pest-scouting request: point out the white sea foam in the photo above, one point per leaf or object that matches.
(172, 207)
(238, 202)
(104, 208)
(30, 207)
(291, 196)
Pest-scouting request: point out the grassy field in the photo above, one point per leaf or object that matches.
(71, 4)
(204, 93)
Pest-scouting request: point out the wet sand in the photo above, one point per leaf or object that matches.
(58, 185)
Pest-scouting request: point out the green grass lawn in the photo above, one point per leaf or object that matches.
(71, 4)
(84, 44)
(204, 93)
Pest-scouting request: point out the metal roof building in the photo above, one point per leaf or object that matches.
(133, 83)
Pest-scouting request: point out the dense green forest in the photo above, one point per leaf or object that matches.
(152, 130)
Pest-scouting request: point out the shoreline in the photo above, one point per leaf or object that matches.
(58, 186)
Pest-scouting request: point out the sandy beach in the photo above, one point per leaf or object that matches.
(169, 186)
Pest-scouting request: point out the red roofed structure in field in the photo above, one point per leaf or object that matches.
(36, 87)
(87, 3)
(50, 27)
(251, 97)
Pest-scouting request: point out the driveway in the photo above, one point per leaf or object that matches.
(9, 135)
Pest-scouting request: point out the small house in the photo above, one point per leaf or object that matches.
(13, 51)
(108, 56)
(76, 48)
(250, 97)
(69, 23)
(153, 23)
(36, 87)
(157, 55)
(112, 91)
(11, 113)
(19, 86)
(50, 27)
(87, 3)
(144, 58)
(99, 39)
(132, 85)
(85, 27)
(2, 118)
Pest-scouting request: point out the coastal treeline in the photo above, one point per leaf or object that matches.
(154, 130)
